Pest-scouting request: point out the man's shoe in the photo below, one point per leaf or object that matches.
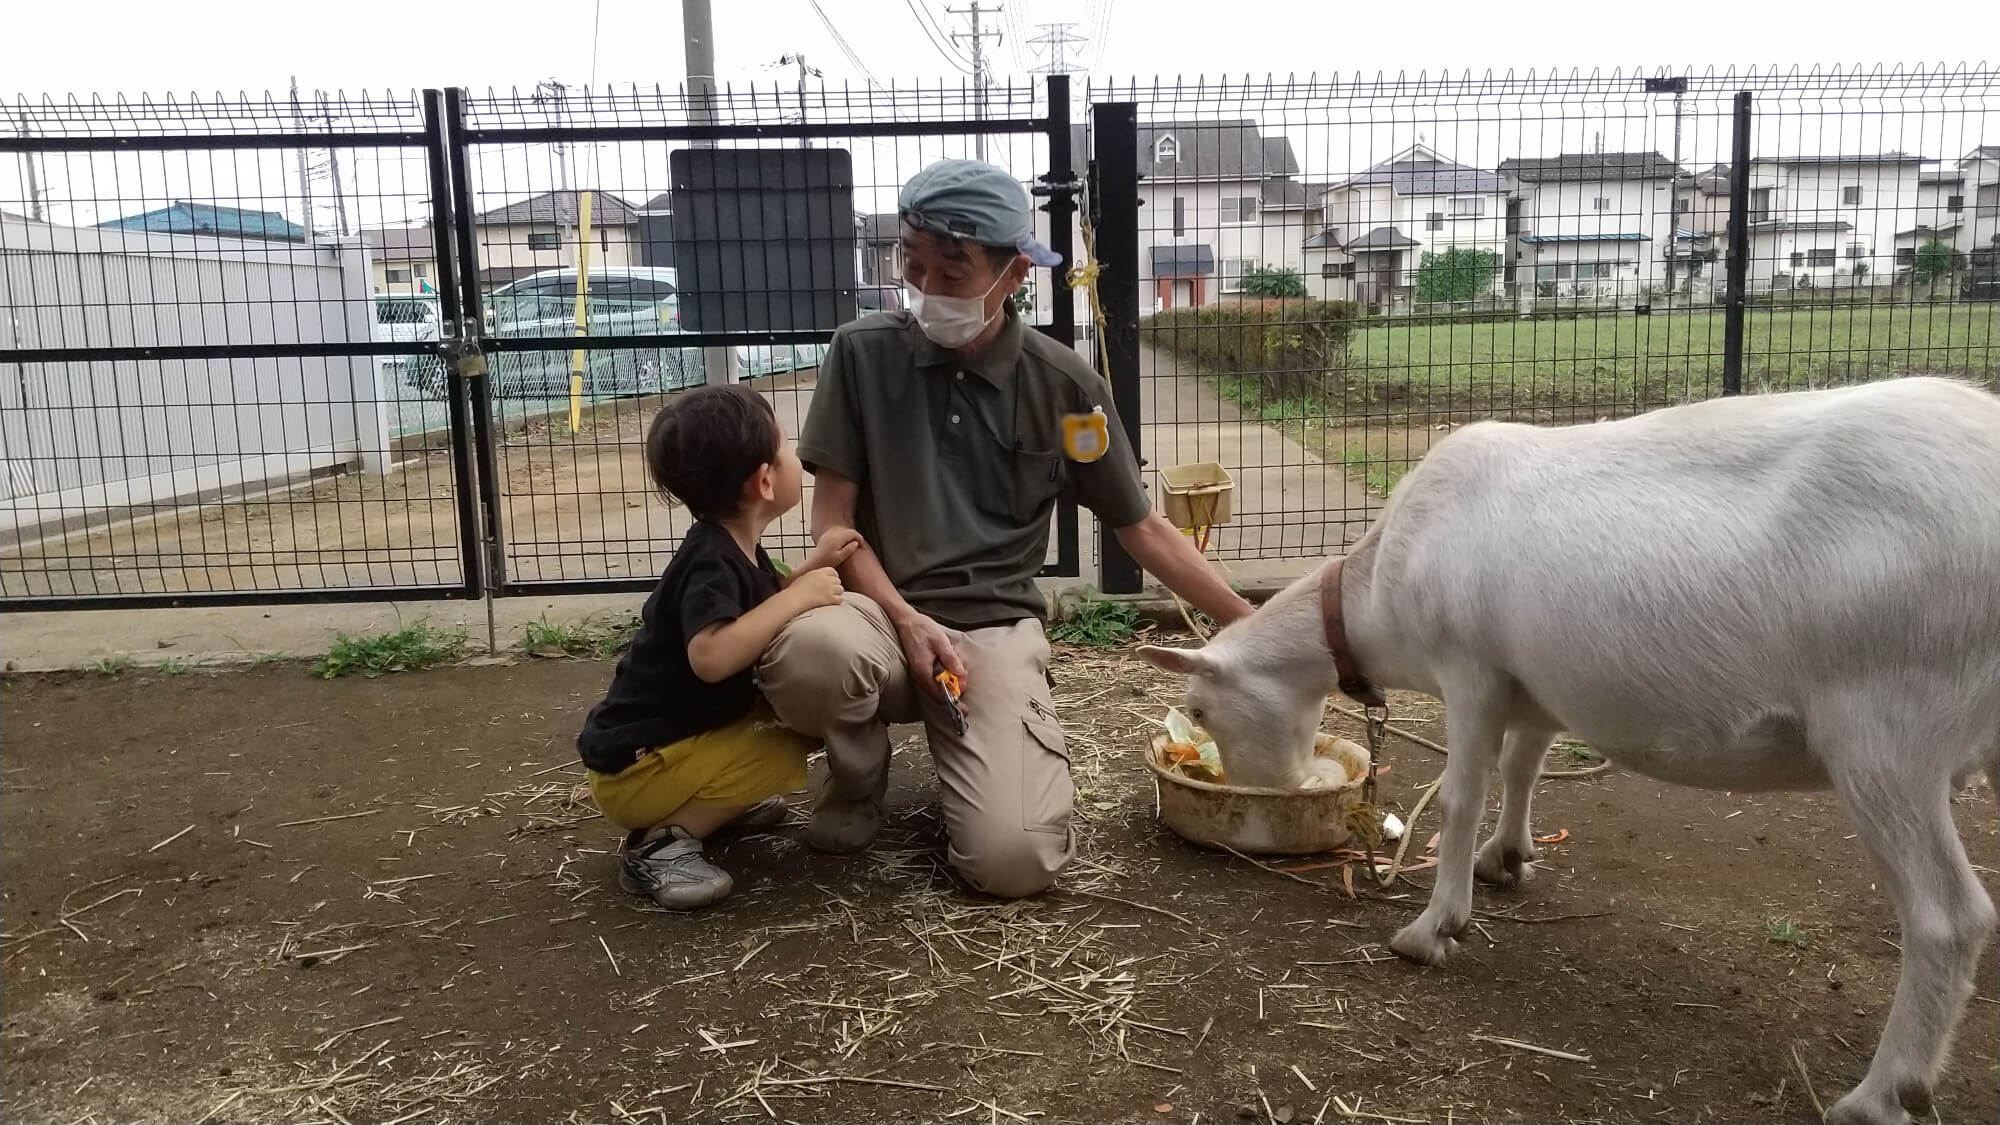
(841, 827)
(671, 871)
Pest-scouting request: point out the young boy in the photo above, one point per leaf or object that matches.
(683, 744)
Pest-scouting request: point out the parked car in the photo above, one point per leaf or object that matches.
(406, 318)
(877, 298)
(621, 301)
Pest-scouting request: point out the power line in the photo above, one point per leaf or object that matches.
(947, 55)
(1101, 35)
(840, 41)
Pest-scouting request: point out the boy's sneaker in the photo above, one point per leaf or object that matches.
(672, 871)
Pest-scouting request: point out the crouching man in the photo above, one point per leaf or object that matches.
(946, 434)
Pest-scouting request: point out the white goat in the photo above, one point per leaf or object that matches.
(1787, 591)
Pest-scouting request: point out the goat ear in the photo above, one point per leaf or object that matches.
(1186, 661)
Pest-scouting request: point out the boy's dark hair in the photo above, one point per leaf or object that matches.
(705, 443)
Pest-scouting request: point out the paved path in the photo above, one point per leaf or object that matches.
(1290, 507)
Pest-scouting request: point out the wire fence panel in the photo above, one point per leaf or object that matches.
(205, 351)
(811, 224)
(230, 330)
(1335, 275)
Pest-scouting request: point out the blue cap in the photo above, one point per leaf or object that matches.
(977, 202)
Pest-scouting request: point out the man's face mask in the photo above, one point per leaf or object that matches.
(951, 322)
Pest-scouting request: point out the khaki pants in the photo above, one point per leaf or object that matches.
(838, 674)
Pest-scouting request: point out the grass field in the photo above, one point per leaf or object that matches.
(1626, 362)
(1404, 378)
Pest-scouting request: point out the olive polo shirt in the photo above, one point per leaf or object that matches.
(960, 462)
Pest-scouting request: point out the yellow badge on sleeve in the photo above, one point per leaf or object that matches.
(1086, 437)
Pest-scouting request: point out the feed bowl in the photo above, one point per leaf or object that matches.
(1260, 821)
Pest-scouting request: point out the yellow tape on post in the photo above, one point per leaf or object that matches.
(582, 309)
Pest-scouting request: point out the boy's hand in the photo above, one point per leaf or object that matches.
(816, 588)
(835, 547)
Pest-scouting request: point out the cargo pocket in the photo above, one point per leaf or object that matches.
(1047, 794)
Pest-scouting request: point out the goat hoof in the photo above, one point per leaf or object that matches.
(1863, 1108)
(1421, 942)
(1504, 867)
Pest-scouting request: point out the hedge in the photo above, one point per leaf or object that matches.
(1289, 345)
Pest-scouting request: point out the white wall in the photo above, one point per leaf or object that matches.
(79, 437)
(1273, 239)
(1982, 201)
(1359, 209)
(1570, 208)
(506, 245)
(1814, 193)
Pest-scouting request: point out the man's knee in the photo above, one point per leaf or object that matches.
(1012, 864)
(823, 663)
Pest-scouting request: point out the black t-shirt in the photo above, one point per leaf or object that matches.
(655, 698)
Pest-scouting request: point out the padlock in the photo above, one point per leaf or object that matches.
(467, 361)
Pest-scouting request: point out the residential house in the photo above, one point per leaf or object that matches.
(1826, 221)
(881, 255)
(1376, 226)
(1591, 226)
(401, 259)
(1203, 191)
(1981, 169)
(656, 231)
(540, 232)
(208, 218)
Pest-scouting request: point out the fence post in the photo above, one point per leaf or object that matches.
(1734, 298)
(452, 329)
(472, 323)
(1115, 198)
(1059, 185)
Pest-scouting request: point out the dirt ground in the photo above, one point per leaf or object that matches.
(253, 895)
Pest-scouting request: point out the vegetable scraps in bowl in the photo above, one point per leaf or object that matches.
(1189, 751)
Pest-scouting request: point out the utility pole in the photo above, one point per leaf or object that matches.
(549, 91)
(305, 173)
(32, 163)
(800, 61)
(1677, 86)
(698, 44)
(333, 170)
(1057, 39)
(980, 77)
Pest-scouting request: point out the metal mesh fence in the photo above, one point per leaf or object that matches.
(225, 325)
(1334, 275)
(208, 400)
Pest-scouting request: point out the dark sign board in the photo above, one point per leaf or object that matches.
(764, 238)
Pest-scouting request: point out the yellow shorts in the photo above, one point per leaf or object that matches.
(741, 764)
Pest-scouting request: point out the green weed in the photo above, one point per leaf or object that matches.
(1785, 931)
(111, 665)
(1096, 623)
(405, 650)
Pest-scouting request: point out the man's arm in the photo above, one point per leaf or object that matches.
(924, 641)
(1169, 556)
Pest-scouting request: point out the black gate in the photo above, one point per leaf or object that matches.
(192, 361)
(569, 380)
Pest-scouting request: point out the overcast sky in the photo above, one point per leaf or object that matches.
(107, 47)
